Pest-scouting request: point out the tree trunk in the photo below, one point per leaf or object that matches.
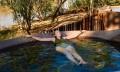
(28, 27)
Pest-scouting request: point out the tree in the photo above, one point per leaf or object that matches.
(43, 9)
(57, 10)
(22, 11)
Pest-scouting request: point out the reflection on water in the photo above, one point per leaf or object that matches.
(36, 57)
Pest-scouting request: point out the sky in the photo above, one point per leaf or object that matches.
(6, 20)
(5, 17)
(116, 9)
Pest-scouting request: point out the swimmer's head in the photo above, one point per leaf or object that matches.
(58, 34)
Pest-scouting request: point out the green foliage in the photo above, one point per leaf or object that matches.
(78, 2)
(22, 10)
(7, 34)
(95, 3)
(27, 9)
(43, 8)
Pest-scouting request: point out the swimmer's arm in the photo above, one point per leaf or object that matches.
(68, 37)
(71, 36)
(41, 39)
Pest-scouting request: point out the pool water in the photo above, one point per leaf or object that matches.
(42, 57)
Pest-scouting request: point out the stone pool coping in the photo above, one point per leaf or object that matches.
(105, 35)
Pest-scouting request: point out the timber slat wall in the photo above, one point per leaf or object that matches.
(96, 22)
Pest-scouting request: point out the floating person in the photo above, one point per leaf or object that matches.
(63, 46)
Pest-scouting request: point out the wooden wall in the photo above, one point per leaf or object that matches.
(96, 22)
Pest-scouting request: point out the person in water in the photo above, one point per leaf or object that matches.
(64, 47)
(67, 49)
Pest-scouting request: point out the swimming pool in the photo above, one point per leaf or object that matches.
(42, 57)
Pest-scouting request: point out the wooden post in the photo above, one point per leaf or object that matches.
(84, 24)
(65, 27)
(105, 20)
(80, 24)
(74, 26)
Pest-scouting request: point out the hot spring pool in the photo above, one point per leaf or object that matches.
(41, 57)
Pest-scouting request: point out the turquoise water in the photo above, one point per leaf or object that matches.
(37, 57)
